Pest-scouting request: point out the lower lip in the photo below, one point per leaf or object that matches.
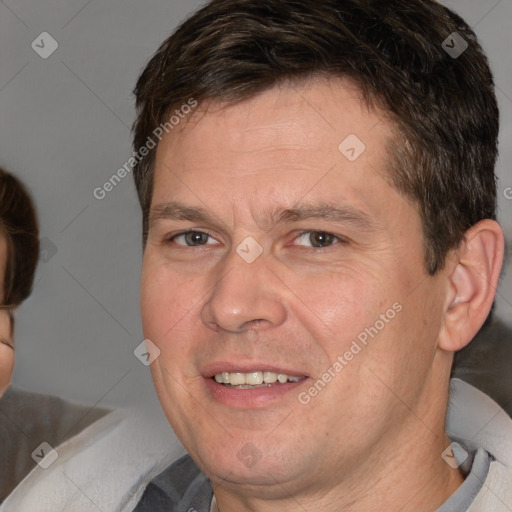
(251, 398)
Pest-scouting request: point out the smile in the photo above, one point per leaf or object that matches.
(253, 379)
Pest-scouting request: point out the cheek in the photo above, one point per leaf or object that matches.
(342, 303)
(161, 298)
(6, 367)
(169, 299)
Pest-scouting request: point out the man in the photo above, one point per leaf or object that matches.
(318, 194)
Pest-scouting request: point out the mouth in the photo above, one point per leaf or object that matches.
(251, 385)
(254, 380)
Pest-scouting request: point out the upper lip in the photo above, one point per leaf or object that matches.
(212, 369)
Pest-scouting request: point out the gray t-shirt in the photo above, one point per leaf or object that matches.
(182, 487)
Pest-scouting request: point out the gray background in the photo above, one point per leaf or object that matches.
(65, 129)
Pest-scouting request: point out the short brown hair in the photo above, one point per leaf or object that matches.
(444, 108)
(18, 223)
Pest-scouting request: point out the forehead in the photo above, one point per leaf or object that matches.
(312, 114)
(287, 143)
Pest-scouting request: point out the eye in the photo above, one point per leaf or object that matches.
(317, 239)
(193, 239)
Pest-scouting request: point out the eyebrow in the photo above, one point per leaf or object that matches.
(322, 211)
(177, 211)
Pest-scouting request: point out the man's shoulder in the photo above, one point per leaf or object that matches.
(181, 484)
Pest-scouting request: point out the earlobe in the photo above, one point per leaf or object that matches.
(473, 283)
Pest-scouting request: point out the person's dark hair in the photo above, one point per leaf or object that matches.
(18, 223)
(444, 109)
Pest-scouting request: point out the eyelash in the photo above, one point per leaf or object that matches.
(338, 239)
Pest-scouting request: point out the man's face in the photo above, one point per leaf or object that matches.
(6, 341)
(298, 248)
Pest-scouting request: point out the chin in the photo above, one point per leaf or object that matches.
(244, 464)
(238, 475)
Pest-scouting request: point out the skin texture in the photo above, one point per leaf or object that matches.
(372, 438)
(6, 339)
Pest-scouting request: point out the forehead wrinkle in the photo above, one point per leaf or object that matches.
(275, 148)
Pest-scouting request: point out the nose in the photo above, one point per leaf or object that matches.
(245, 296)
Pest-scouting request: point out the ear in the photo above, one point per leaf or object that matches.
(473, 280)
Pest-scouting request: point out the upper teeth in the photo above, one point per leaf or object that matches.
(253, 378)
